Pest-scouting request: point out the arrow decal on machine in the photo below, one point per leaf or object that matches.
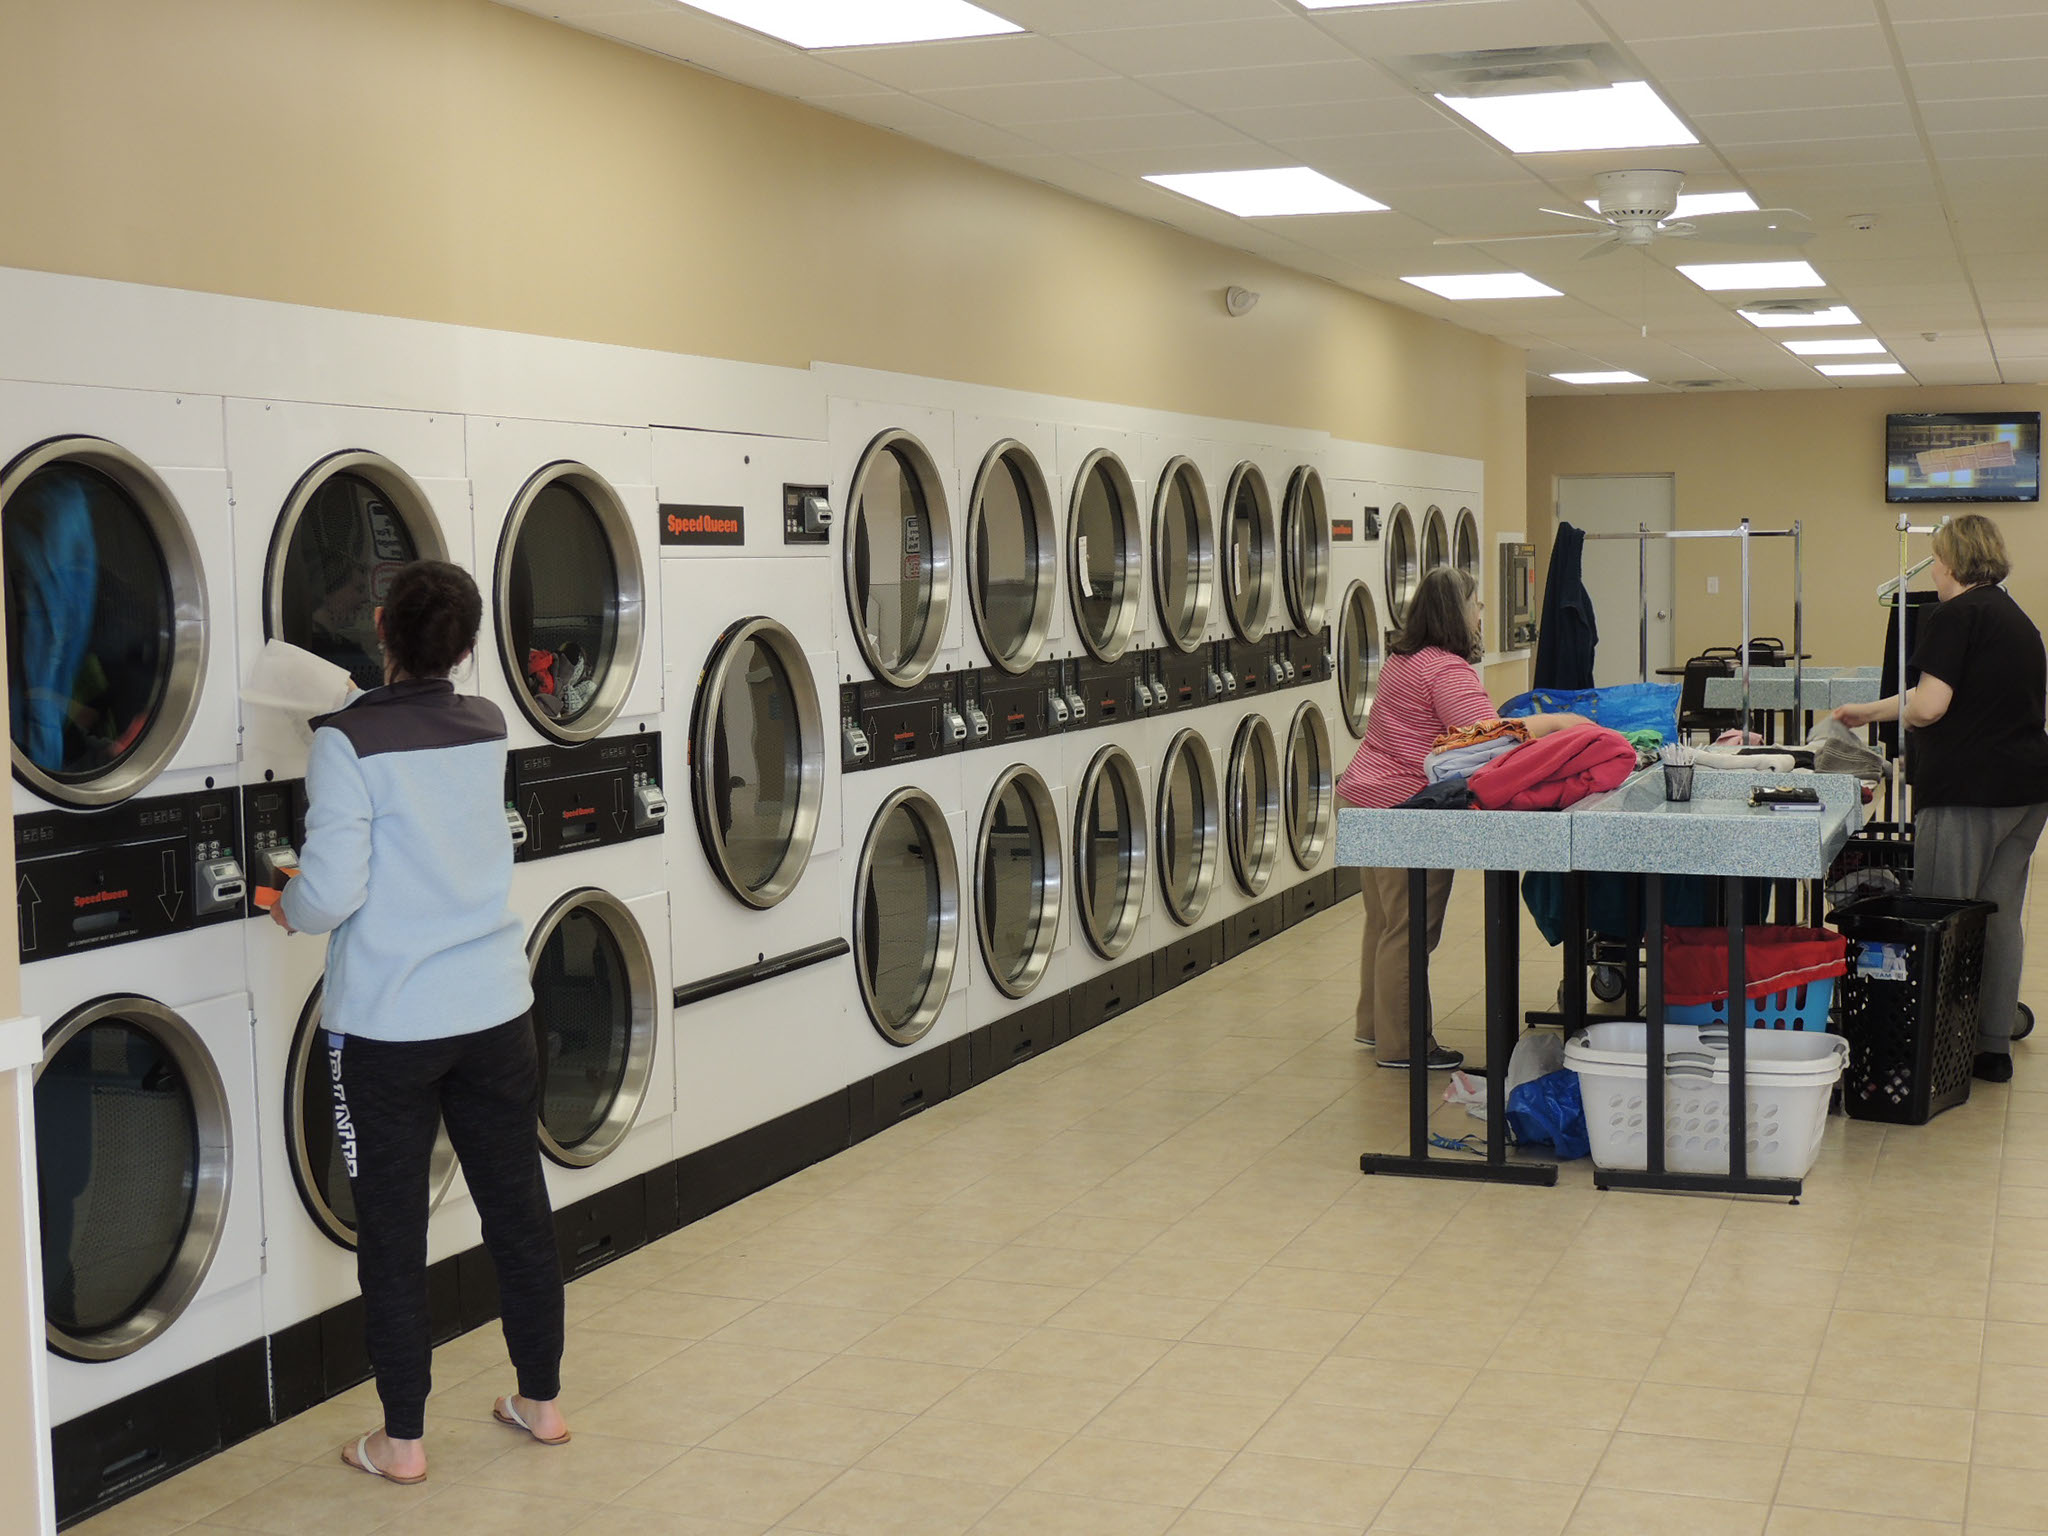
(173, 897)
(26, 899)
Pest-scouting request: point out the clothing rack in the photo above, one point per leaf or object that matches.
(1743, 533)
(1895, 593)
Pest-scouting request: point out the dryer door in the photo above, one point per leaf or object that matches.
(132, 1167)
(1465, 545)
(1013, 558)
(757, 761)
(1109, 851)
(1358, 656)
(906, 918)
(899, 558)
(1183, 554)
(1254, 800)
(569, 595)
(1190, 827)
(106, 621)
(594, 1018)
(1404, 564)
(1017, 880)
(319, 1138)
(1305, 550)
(1103, 538)
(1436, 539)
(1311, 786)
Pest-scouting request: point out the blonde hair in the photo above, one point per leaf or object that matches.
(1973, 549)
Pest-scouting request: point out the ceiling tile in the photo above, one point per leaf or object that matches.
(1383, 32)
(1143, 51)
(1993, 144)
(1697, 58)
(1265, 85)
(1982, 78)
(1635, 19)
(731, 51)
(1802, 123)
(1173, 130)
(1052, 101)
(921, 119)
(1765, 92)
(1331, 119)
(1240, 155)
(1825, 154)
(1952, 41)
(1985, 113)
(575, 11)
(1057, 16)
(1014, 60)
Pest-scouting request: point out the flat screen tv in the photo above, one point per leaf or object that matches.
(1963, 456)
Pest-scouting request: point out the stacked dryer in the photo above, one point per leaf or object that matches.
(329, 503)
(129, 889)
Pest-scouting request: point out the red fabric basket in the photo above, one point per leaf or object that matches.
(1773, 959)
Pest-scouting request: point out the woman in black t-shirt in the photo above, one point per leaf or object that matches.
(1977, 755)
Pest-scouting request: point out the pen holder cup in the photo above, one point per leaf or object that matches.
(1678, 781)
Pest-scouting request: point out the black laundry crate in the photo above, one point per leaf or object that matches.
(1879, 856)
(1909, 1005)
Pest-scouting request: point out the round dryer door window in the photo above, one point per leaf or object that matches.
(757, 761)
(1311, 786)
(1404, 564)
(132, 1164)
(1017, 881)
(106, 621)
(1102, 555)
(593, 1023)
(1358, 656)
(569, 602)
(1305, 550)
(906, 918)
(317, 1137)
(1109, 851)
(1183, 554)
(1190, 829)
(1465, 543)
(899, 558)
(352, 523)
(1254, 800)
(1015, 562)
(1249, 546)
(1436, 539)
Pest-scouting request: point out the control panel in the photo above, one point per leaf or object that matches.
(806, 514)
(84, 880)
(1190, 678)
(1247, 667)
(587, 795)
(1015, 706)
(1307, 656)
(275, 818)
(880, 725)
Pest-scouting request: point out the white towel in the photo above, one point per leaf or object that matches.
(295, 685)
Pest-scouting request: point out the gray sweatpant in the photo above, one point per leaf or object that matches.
(1981, 853)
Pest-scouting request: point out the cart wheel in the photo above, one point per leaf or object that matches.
(2023, 1026)
(1609, 983)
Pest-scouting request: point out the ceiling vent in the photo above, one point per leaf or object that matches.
(1516, 71)
(1699, 384)
(1790, 306)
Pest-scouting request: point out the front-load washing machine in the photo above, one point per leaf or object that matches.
(1188, 855)
(1010, 543)
(1305, 551)
(1309, 769)
(1109, 865)
(1254, 820)
(1015, 909)
(1359, 622)
(1183, 545)
(566, 535)
(764, 978)
(894, 480)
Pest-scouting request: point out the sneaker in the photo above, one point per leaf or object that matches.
(1365, 1040)
(1992, 1067)
(1442, 1060)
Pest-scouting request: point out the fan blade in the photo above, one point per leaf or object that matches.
(1606, 247)
(1548, 234)
(1583, 218)
(1770, 226)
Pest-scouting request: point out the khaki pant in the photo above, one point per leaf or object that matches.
(1383, 962)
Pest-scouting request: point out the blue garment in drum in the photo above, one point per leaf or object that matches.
(53, 577)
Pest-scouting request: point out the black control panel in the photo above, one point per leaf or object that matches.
(1247, 667)
(87, 879)
(589, 795)
(1190, 678)
(880, 725)
(1308, 655)
(1111, 689)
(806, 514)
(1014, 706)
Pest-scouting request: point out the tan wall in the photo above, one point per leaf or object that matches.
(1814, 455)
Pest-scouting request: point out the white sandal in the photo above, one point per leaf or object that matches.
(362, 1463)
(506, 1412)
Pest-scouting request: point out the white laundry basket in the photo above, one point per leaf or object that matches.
(1791, 1075)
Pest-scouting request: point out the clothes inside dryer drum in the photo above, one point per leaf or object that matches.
(900, 932)
(1181, 555)
(117, 1161)
(1103, 561)
(892, 559)
(757, 765)
(1007, 559)
(1013, 884)
(348, 544)
(89, 621)
(562, 602)
(583, 1024)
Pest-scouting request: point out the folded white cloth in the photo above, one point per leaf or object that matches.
(1753, 762)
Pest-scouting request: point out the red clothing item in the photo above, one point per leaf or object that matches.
(1555, 771)
(1418, 699)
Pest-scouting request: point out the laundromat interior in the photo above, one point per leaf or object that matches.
(942, 516)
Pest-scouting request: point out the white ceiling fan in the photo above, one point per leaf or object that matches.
(1636, 209)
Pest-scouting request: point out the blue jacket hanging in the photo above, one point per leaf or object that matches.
(1564, 644)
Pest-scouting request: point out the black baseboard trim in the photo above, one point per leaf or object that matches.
(115, 1452)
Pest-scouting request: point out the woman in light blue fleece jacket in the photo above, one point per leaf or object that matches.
(407, 866)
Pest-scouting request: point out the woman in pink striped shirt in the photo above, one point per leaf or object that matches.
(1427, 687)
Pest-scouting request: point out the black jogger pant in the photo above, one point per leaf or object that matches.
(389, 1099)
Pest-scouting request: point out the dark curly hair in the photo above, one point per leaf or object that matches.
(432, 611)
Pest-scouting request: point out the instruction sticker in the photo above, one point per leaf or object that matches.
(1081, 560)
(1883, 962)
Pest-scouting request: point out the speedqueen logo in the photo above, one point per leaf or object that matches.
(692, 526)
(1343, 530)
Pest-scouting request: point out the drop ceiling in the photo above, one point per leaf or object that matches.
(1912, 133)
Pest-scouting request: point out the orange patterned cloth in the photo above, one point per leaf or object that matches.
(1476, 735)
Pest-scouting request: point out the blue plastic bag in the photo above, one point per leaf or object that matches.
(1548, 1109)
(1625, 707)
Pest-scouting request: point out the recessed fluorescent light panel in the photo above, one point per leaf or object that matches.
(860, 23)
(1834, 348)
(1722, 276)
(1599, 378)
(1692, 204)
(1856, 370)
(1625, 116)
(1486, 285)
(1290, 189)
(1773, 320)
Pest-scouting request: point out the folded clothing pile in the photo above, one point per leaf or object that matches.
(1461, 753)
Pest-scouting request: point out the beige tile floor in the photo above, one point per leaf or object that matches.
(1138, 1285)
